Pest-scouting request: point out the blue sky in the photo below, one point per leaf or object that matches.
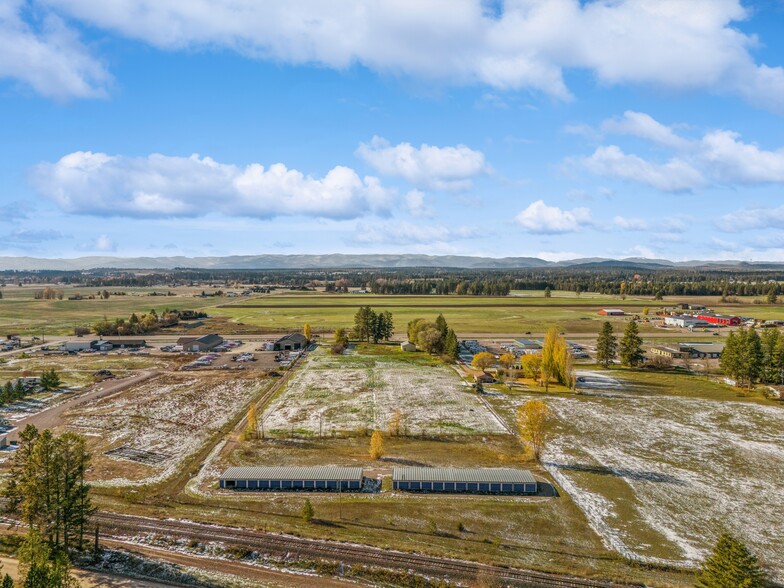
(556, 129)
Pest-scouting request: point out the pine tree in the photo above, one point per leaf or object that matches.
(729, 357)
(606, 345)
(50, 380)
(451, 344)
(631, 346)
(750, 357)
(442, 327)
(730, 565)
(547, 292)
(8, 582)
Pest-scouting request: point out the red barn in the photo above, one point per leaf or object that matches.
(612, 312)
(720, 319)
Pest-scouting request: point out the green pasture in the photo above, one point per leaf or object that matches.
(21, 313)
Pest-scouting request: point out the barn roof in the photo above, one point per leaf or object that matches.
(292, 473)
(483, 475)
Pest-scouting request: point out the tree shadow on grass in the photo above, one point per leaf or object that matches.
(641, 476)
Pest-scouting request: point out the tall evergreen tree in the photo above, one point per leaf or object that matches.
(731, 565)
(750, 357)
(443, 328)
(631, 346)
(451, 344)
(606, 345)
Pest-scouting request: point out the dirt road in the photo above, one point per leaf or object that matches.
(52, 417)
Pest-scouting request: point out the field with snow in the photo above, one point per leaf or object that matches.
(352, 392)
(144, 434)
(659, 476)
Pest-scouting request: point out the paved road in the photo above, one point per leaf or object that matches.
(52, 417)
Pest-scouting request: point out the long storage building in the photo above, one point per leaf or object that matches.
(292, 478)
(492, 480)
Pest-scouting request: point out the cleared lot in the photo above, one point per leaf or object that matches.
(659, 476)
(354, 392)
(144, 434)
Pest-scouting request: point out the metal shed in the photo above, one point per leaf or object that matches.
(292, 478)
(493, 480)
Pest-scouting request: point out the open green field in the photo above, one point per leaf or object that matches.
(21, 313)
(466, 314)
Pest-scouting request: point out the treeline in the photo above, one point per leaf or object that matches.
(140, 325)
(12, 392)
(749, 358)
(47, 491)
(623, 279)
(370, 325)
(435, 337)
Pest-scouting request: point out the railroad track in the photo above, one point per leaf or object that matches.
(122, 526)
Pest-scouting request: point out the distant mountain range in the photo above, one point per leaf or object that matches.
(369, 261)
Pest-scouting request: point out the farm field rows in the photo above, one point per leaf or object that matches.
(660, 476)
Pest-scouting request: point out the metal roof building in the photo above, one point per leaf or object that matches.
(292, 478)
(500, 480)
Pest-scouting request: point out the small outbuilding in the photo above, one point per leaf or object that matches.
(77, 345)
(477, 480)
(324, 478)
(101, 345)
(407, 346)
(291, 342)
(200, 344)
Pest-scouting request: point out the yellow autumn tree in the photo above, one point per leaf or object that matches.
(376, 445)
(306, 330)
(395, 423)
(483, 360)
(549, 362)
(533, 423)
(507, 360)
(252, 427)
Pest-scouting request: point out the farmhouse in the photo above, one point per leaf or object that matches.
(127, 343)
(200, 344)
(407, 346)
(484, 378)
(291, 342)
(496, 480)
(720, 319)
(292, 478)
(612, 312)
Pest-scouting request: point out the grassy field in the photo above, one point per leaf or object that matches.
(21, 313)
(661, 463)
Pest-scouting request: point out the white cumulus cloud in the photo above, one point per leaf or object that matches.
(644, 126)
(675, 175)
(47, 56)
(84, 182)
(674, 44)
(630, 224)
(541, 218)
(440, 168)
(718, 157)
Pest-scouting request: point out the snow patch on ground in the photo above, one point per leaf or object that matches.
(332, 395)
(659, 477)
